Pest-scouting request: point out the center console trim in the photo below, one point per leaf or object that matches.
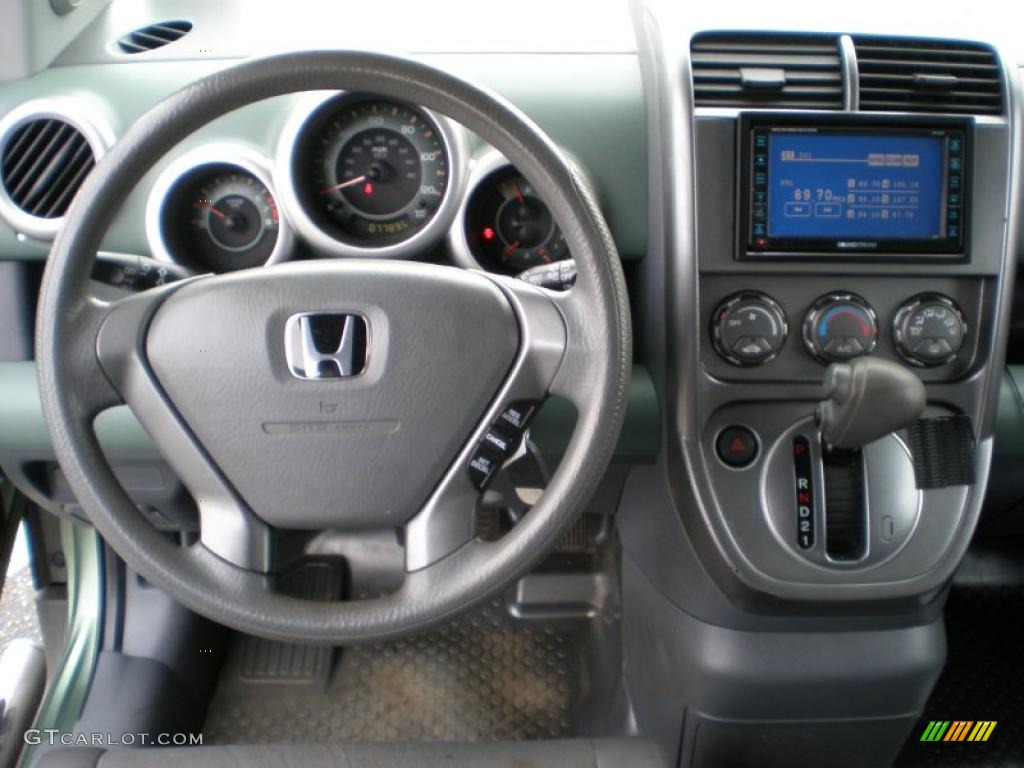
(693, 396)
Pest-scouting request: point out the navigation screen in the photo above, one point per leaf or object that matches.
(856, 186)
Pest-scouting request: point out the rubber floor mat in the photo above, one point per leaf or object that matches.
(481, 677)
(260, 660)
(983, 680)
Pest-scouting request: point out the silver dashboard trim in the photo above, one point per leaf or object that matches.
(219, 153)
(851, 73)
(453, 136)
(480, 169)
(84, 115)
(733, 112)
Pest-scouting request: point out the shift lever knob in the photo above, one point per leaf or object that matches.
(867, 399)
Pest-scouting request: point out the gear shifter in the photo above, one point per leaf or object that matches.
(867, 399)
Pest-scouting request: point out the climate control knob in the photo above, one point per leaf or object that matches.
(749, 328)
(929, 330)
(840, 326)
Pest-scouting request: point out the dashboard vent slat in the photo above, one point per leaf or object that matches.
(907, 75)
(42, 165)
(154, 36)
(772, 71)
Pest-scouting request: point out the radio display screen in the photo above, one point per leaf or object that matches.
(854, 190)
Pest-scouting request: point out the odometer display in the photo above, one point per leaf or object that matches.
(371, 172)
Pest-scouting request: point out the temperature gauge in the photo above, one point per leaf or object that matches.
(508, 228)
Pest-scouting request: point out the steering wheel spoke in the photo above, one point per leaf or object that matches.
(96, 391)
(448, 519)
(228, 528)
(574, 380)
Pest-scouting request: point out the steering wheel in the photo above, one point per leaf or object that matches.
(202, 365)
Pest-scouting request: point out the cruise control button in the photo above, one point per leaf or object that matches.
(736, 446)
(501, 442)
(517, 416)
(482, 468)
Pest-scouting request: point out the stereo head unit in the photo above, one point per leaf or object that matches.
(861, 187)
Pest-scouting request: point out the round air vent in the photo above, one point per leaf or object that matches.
(46, 152)
(43, 164)
(154, 36)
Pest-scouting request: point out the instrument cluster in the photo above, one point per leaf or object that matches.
(354, 175)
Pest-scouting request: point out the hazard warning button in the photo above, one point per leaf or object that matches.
(736, 446)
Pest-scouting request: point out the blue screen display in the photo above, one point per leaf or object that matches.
(855, 186)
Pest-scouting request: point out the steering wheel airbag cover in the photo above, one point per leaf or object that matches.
(354, 452)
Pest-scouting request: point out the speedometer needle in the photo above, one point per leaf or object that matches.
(344, 184)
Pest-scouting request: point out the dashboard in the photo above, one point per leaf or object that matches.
(784, 201)
(788, 191)
(352, 175)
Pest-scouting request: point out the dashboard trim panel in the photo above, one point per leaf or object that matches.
(480, 168)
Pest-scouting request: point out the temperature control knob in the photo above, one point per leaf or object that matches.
(929, 330)
(840, 326)
(748, 328)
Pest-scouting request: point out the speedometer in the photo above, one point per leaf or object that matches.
(371, 172)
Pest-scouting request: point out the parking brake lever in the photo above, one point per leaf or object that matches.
(867, 399)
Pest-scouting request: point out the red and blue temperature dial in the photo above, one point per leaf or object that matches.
(840, 326)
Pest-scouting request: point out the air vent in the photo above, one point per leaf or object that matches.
(43, 162)
(758, 70)
(154, 36)
(903, 75)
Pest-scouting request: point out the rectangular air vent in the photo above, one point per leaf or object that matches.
(766, 70)
(902, 75)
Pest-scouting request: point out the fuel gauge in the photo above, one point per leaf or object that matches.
(508, 228)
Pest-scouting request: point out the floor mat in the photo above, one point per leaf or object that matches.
(983, 680)
(481, 677)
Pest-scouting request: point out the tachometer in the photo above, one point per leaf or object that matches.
(233, 215)
(214, 209)
(371, 172)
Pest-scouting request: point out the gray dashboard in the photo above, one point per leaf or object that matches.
(619, 101)
(754, 629)
(609, 143)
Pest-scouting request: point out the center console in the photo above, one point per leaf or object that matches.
(822, 238)
(834, 236)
